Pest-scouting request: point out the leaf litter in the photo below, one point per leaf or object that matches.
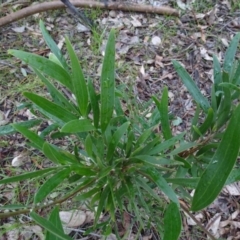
(145, 46)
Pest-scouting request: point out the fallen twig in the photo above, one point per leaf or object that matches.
(46, 6)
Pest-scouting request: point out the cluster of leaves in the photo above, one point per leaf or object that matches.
(120, 163)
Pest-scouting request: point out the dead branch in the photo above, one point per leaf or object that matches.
(47, 6)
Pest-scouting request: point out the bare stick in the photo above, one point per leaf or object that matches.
(46, 6)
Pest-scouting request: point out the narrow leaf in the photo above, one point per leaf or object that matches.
(75, 126)
(108, 83)
(9, 129)
(51, 184)
(172, 222)
(156, 177)
(163, 110)
(218, 170)
(78, 80)
(45, 66)
(55, 220)
(51, 108)
(115, 140)
(30, 135)
(191, 86)
(56, 95)
(52, 45)
(26, 176)
(230, 53)
(94, 103)
(49, 226)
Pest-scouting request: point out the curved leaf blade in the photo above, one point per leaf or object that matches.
(218, 170)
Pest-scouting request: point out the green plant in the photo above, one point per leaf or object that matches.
(119, 163)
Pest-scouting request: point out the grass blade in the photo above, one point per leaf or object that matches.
(218, 170)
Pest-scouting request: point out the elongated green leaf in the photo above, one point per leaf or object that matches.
(51, 108)
(56, 95)
(78, 80)
(230, 53)
(218, 170)
(49, 226)
(75, 126)
(163, 109)
(143, 138)
(217, 72)
(108, 83)
(115, 140)
(87, 195)
(156, 177)
(233, 177)
(206, 124)
(30, 135)
(51, 184)
(9, 129)
(236, 77)
(26, 176)
(55, 220)
(83, 170)
(172, 222)
(94, 103)
(183, 147)
(185, 182)
(191, 86)
(166, 144)
(56, 154)
(129, 144)
(52, 45)
(229, 86)
(102, 202)
(224, 109)
(45, 66)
